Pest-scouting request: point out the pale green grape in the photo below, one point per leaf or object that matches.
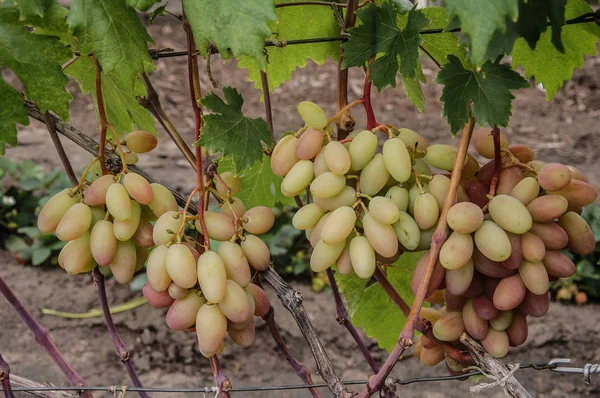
(339, 225)
(219, 226)
(181, 265)
(345, 198)
(312, 114)
(156, 269)
(235, 304)
(324, 255)
(362, 257)
(426, 210)
(464, 217)
(397, 159)
(362, 149)
(257, 252)
(438, 187)
(458, 280)
(441, 156)
(162, 200)
(231, 181)
(412, 139)
(283, 157)
(327, 185)
(76, 221)
(307, 216)
(510, 214)
(211, 328)
(337, 158)
(118, 202)
(456, 251)
(382, 237)
(212, 276)
(399, 196)
(407, 231)
(103, 242)
(492, 241)
(140, 141)
(299, 177)
(124, 230)
(526, 190)
(169, 221)
(124, 261)
(236, 263)
(384, 210)
(258, 220)
(374, 176)
(138, 188)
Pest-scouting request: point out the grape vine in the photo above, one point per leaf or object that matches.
(413, 235)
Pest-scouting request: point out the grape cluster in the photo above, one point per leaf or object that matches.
(371, 202)
(211, 292)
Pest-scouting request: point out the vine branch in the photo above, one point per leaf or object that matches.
(101, 114)
(64, 159)
(267, 95)
(346, 123)
(5, 378)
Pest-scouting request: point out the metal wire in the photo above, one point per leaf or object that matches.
(554, 365)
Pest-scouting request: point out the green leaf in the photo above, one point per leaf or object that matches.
(412, 87)
(237, 26)
(489, 90)
(36, 60)
(441, 45)
(119, 94)
(371, 308)
(12, 111)
(157, 12)
(54, 23)
(142, 5)
(30, 9)
(228, 131)
(260, 187)
(480, 19)
(533, 18)
(40, 255)
(549, 66)
(113, 32)
(283, 61)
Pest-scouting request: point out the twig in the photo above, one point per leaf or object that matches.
(345, 124)
(5, 378)
(101, 114)
(366, 98)
(267, 94)
(60, 149)
(18, 382)
(497, 161)
(222, 381)
(43, 338)
(292, 301)
(310, 3)
(120, 346)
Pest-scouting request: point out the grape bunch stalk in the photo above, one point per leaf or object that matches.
(115, 220)
(371, 202)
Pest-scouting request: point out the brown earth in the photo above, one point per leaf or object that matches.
(564, 130)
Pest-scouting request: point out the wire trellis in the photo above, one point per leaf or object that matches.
(554, 365)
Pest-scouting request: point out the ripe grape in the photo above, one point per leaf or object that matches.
(465, 217)
(212, 276)
(488, 267)
(407, 231)
(77, 256)
(312, 114)
(453, 303)
(536, 165)
(535, 305)
(431, 357)
(309, 144)
(337, 158)
(553, 236)
(103, 243)
(319, 163)
(124, 261)
(362, 257)
(362, 149)
(484, 308)
(162, 200)
(261, 301)
(547, 208)
(95, 194)
(532, 247)
(384, 210)
(484, 142)
(508, 179)
(456, 251)
(496, 343)
(441, 156)
(258, 220)
(219, 226)
(425, 239)
(181, 265)
(347, 197)
(374, 176)
(324, 255)
(577, 174)
(343, 265)
(327, 185)
(477, 192)
(554, 176)
(235, 305)
(141, 255)
(458, 280)
(156, 269)
(284, 155)
(426, 210)
(557, 264)
(156, 299)
(177, 292)
(124, 230)
(476, 326)
(412, 139)
(234, 206)
(522, 152)
(509, 293)
(131, 158)
(502, 321)
(516, 254)
(140, 141)
(580, 235)
(138, 188)
(307, 216)
(449, 327)
(118, 202)
(477, 286)
(517, 331)
(315, 233)
(397, 159)
(257, 252)
(510, 214)
(578, 194)
(526, 190)
(236, 263)
(166, 226)
(143, 234)
(382, 237)
(438, 187)
(182, 313)
(413, 193)
(492, 241)
(399, 196)
(211, 328)
(437, 277)
(231, 181)
(298, 177)
(76, 221)
(244, 336)
(339, 225)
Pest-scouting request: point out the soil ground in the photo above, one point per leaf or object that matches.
(565, 130)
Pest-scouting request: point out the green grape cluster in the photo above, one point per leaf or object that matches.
(375, 196)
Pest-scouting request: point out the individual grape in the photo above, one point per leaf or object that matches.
(258, 220)
(343, 264)
(181, 265)
(374, 176)
(484, 142)
(234, 206)
(162, 200)
(156, 269)
(413, 193)
(484, 308)
(76, 221)
(558, 264)
(464, 217)
(412, 139)
(140, 141)
(431, 357)
(339, 225)
(580, 235)
(212, 276)
(257, 252)
(399, 196)
(77, 255)
(327, 185)
(231, 181)
(118, 202)
(437, 277)
(362, 257)
(169, 221)
(426, 210)
(470, 170)
(156, 299)
(477, 192)
(578, 193)
(492, 241)
(430, 314)
(477, 286)
(547, 208)
(347, 197)
(103, 243)
(496, 343)
(319, 164)
(474, 325)
(143, 234)
(453, 303)
(261, 301)
(502, 321)
(362, 149)
(522, 152)
(309, 144)
(508, 179)
(95, 194)
(510, 214)
(553, 236)
(124, 261)
(218, 226)
(337, 158)
(554, 176)
(324, 255)
(235, 305)
(532, 247)
(384, 210)
(124, 230)
(299, 177)
(526, 190)
(427, 343)
(284, 157)
(182, 314)
(517, 331)
(98, 214)
(535, 305)
(438, 187)
(382, 237)
(536, 165)
(177, 292)
(141, 255)
(490, 268)
(441, 156)
(131, 158)
(312, 114)
(449, 327)
(138, 188)
(516, 254)
(577, 174)
(419, 167)
(456, 250)
(407, 231)
(397, 159)
(458, 280)
(307, 216)
(243, 337)
(487, 171)
(509, 293)
(236, 263)
(425, 239)
(315, 234)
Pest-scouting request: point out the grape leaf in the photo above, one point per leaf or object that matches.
(488, 89)
(142, 5)
(54, 23)
(12, 111)
(36, 60)
(119, 94)
(533, 18)
(227, 130)
(237, 26)
(480, 19)
(371, 308)
(260, 187)
(31, 9)
(440, 45)
(412, 87)
(550, 67)
(113, 32)
(283, 61)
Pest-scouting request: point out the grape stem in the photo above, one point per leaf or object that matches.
(497, 165)
(267, 96)
(5, 378)
(346, 108)
(101, 113)
(222, 381)
(79, 185)
(42, 337)
(59, 148)
(184, 212)
(366, 100)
